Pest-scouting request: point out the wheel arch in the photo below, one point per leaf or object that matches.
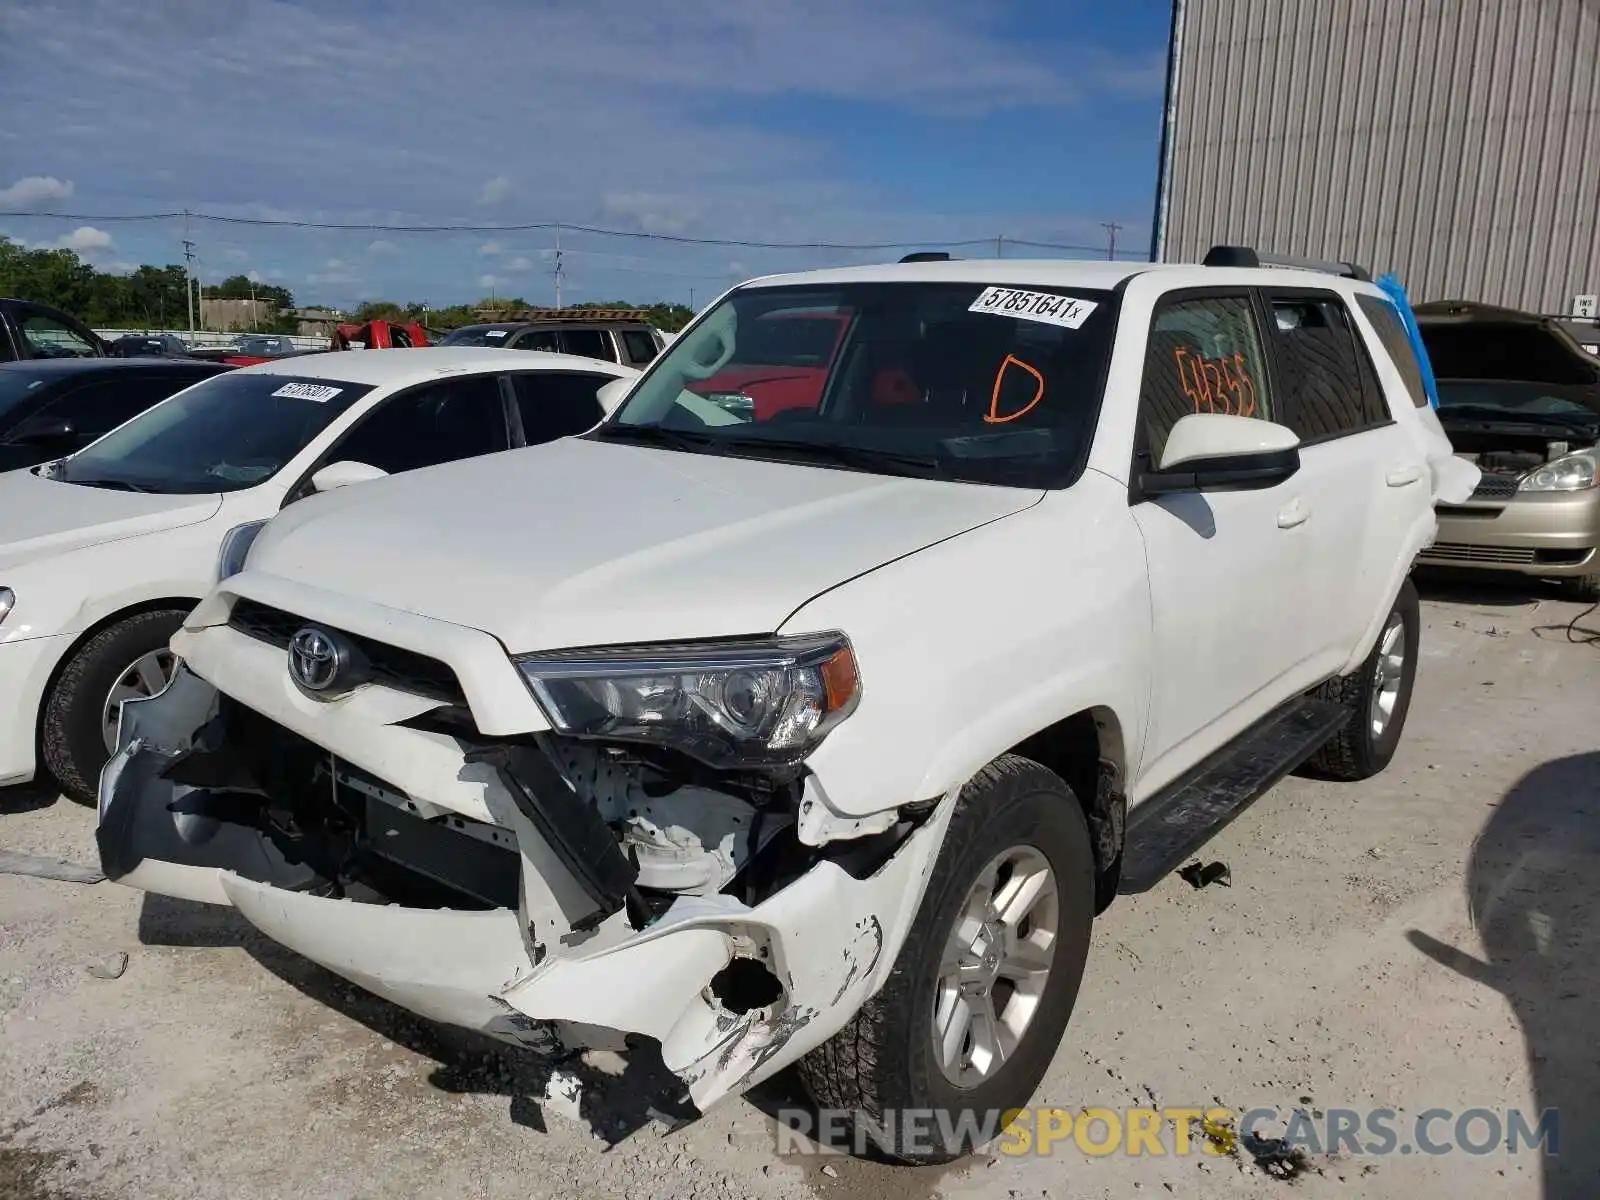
(1088, 751)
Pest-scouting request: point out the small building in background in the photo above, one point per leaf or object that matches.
(229, 316)
(316, 322)
(1454, 142)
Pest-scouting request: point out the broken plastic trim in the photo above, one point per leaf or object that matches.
(579, 836)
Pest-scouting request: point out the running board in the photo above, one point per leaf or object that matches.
(1171, 825)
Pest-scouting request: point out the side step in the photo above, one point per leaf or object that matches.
(1170, 826)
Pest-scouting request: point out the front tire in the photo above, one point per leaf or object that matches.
(1585, 589)
(1378, 695)
(975, 1007)
(125, 660)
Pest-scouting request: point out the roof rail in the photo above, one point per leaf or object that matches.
(1245, 256)
(487, 313)
(927, 256)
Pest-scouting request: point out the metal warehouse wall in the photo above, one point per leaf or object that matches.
(1456, 142)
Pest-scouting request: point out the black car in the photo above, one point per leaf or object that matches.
(149, 345)
(34, 331)
(51, 408)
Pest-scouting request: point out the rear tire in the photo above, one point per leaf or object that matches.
(72, 725)
(1021, 821)
(1378, 695)
(1585, 589)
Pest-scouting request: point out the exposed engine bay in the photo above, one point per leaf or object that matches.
(1509, 455)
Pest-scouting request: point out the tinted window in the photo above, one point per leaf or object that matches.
(230, 432)
(1204, 356)
(478, 335)
(641, 347)
(591, 343)
(946, 380)
(1325, 390)
(49, 338)
(456, 418)
(555, 404)
(19, 389)
(98, 407)
(1397, 345)
(790, 340)
(538, 339)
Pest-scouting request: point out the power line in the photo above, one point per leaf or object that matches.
(530, 226)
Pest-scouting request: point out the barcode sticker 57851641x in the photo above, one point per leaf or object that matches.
(1045, 307)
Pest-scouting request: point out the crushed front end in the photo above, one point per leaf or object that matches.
(556, 891)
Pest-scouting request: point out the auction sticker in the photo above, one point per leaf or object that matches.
(1045, 307)
(319, 392)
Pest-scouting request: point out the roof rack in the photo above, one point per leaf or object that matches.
(1245, 256)
(562, 314)
(927, 256)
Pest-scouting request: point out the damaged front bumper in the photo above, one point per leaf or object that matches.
(488, 903)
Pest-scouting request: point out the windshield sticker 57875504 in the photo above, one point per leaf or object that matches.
(319, 392)
(1045, 307)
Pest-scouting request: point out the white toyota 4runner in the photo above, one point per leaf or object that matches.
(809, 708)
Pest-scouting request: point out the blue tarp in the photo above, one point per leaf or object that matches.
(1390, 283)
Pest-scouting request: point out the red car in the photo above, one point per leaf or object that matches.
(781, 363)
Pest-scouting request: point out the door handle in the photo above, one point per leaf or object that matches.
(1296, 512)
(1401, 476)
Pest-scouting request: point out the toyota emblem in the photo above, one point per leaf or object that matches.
(316, 660)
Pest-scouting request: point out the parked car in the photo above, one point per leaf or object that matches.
(101, 555)
(630, 339)
(142, 345)
(1519, 398)
(53, 407)
(781, 363)
(256, 348)
(820, 738)
(29, 330)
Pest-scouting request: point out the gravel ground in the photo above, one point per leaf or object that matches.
(1423, 940)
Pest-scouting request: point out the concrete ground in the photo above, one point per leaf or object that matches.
(1424, 940)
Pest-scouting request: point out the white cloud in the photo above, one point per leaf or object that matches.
(382, 247)
(519, 265)
(85, 239)
(35, 189)
(650, 212)
(488, 281)
(495, 191)
(335, 272)
(490, 248)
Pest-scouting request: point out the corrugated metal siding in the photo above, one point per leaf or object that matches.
(1456, 142)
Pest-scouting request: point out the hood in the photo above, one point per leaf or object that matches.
(582, 543)
(40, 518)
(1482, 342)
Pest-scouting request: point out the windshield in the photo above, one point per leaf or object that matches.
(226, 433)
(1518, 401)
(16, 388)
(478, 335)
(947, 380)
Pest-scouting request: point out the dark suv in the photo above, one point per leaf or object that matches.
(29, 330)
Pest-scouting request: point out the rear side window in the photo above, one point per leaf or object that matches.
(438, 423)
(590, 343)
(1204, 356)
(537, 339)
(1326, 388)
(641, 347)
(557, 404)
(1397, 344)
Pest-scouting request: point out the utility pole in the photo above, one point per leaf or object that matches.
(558, 267)
(252, 304)
(188, 280)
(691, 299)
(1111, 238)
(1000, 245)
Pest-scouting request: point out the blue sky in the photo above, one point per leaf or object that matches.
(766, 120)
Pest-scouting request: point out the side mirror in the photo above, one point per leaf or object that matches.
(1218, 452)
(610, 395)
(341, 474)
(42, 431)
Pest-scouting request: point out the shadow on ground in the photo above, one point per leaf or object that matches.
(28, 797)
(614, 1106)
(1532, 887)
(1482, 588)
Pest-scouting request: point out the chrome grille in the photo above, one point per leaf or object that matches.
(1458, 552)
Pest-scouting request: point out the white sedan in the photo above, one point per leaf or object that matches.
(102, 553)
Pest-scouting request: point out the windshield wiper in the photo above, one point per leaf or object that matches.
(658, 435)
(865, 458)
(118, 485)
(1582, 422)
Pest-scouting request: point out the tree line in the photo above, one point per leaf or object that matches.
(153, 297)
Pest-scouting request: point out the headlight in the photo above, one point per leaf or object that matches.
(752, 703)
(8, 599)
(1570, 474)
(236, 545)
